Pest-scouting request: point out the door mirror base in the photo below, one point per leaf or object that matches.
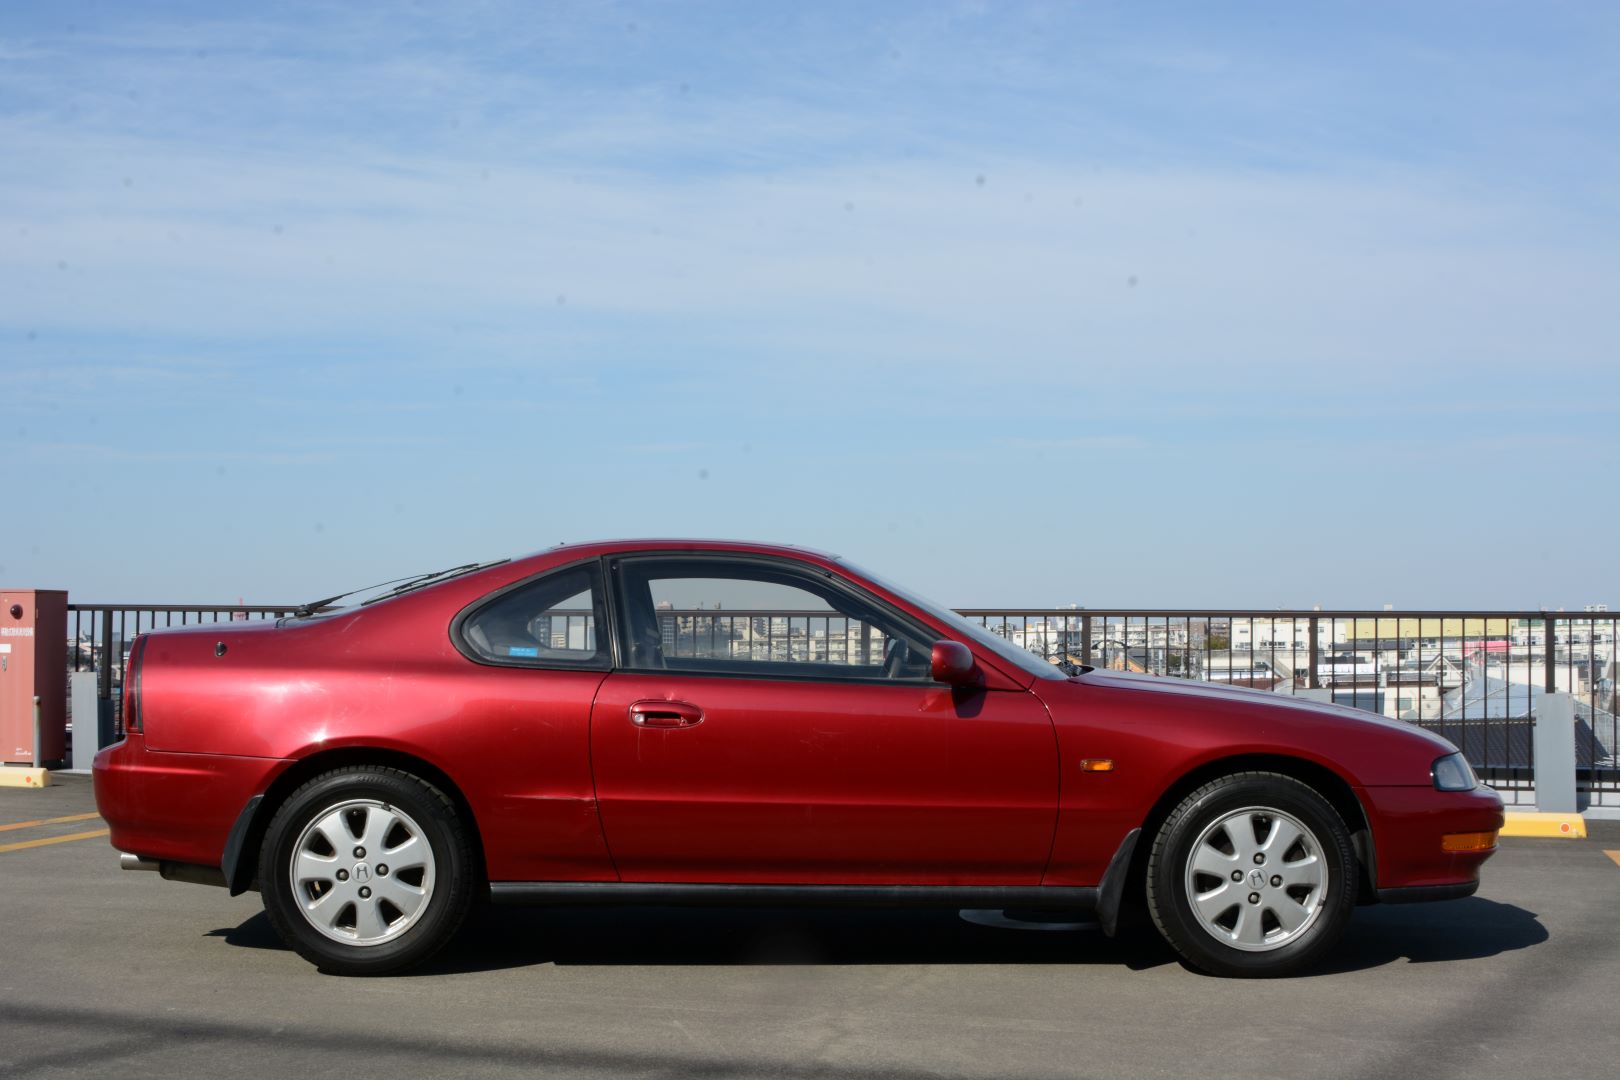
(952, 662)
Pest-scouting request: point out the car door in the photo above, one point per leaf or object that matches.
(522, 715)
(769, 723)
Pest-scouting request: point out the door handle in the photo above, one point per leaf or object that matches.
(665, 714)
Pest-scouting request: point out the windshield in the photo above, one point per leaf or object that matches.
(1023, 658)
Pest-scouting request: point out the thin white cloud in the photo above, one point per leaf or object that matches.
(1099, 270)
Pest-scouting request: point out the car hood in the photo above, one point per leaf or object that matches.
(1372, 748)
(1248, 696)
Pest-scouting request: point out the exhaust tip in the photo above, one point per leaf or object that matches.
(127, 861)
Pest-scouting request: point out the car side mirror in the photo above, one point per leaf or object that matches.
(952, 662)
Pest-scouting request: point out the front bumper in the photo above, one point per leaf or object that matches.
(175, 807)
(1408, 824)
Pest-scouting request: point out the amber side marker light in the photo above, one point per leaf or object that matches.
(1096, 764)
(1468, 841)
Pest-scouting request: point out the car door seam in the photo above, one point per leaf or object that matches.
(590, 760)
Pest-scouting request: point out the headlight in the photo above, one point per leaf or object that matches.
(1453, 773)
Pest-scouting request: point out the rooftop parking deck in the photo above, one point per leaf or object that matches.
(106, 971)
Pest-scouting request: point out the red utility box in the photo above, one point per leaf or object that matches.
(33, 663)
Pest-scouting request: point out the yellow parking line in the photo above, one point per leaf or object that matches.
(1615, 855)
(53, 840)
(47, 821)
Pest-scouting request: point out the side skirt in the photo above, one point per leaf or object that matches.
(1423, 894)
(590, 893)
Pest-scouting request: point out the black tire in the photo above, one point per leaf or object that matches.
(447, 883)
(1271, 804)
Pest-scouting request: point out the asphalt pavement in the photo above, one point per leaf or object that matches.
(106, 972)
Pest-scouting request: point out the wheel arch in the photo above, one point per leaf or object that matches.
(1329, 784)
(241, 857)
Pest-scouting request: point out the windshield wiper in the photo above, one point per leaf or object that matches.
(404, 584)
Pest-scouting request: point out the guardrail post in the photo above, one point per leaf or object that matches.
(1085, 640)
(1314, 682)
(1554, 747)
(106, 654)
(1549, 660)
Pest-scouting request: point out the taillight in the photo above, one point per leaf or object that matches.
(132, 688)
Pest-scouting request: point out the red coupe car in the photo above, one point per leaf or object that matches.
(699, 722)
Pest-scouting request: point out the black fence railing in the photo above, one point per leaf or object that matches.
(99, 635)
(772, 636)
(1476, 678)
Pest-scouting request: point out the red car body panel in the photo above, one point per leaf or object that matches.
(1407, 823)
(833, 784)
(175, 806)
(358, 681)
(782, 782)
(1155, 728)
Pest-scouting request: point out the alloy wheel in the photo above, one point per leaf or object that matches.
(1256, 879)
(362, 872)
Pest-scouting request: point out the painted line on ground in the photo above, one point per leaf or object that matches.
(1615, 855)
(47, 821)
(53, 840)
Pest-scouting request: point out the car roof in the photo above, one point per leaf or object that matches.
(605, 547)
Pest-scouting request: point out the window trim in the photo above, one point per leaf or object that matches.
(837, 583)
(606, 660)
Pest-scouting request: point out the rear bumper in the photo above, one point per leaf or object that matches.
(1408, 824)
(175, 807)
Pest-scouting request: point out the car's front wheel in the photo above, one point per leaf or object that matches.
(366, 870)
(1252, 875)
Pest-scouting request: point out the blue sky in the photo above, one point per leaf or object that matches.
(1251, 305)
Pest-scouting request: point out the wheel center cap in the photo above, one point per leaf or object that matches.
(362, 872)
(1256, 879)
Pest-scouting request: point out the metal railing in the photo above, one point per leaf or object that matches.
(1474, 677)
(818, 636)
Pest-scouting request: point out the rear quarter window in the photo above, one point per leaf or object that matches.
(555, 620)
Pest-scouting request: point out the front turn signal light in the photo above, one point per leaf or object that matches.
(1468, 841)
(1096, 764)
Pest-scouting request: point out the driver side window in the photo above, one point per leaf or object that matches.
(720, 616)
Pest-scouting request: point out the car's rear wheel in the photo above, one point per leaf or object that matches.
(1252, 875)
(366, 870)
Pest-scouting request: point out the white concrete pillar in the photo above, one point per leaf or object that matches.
(1555, 754)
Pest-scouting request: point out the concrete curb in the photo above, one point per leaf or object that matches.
(11, 776)
(1543, 823)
